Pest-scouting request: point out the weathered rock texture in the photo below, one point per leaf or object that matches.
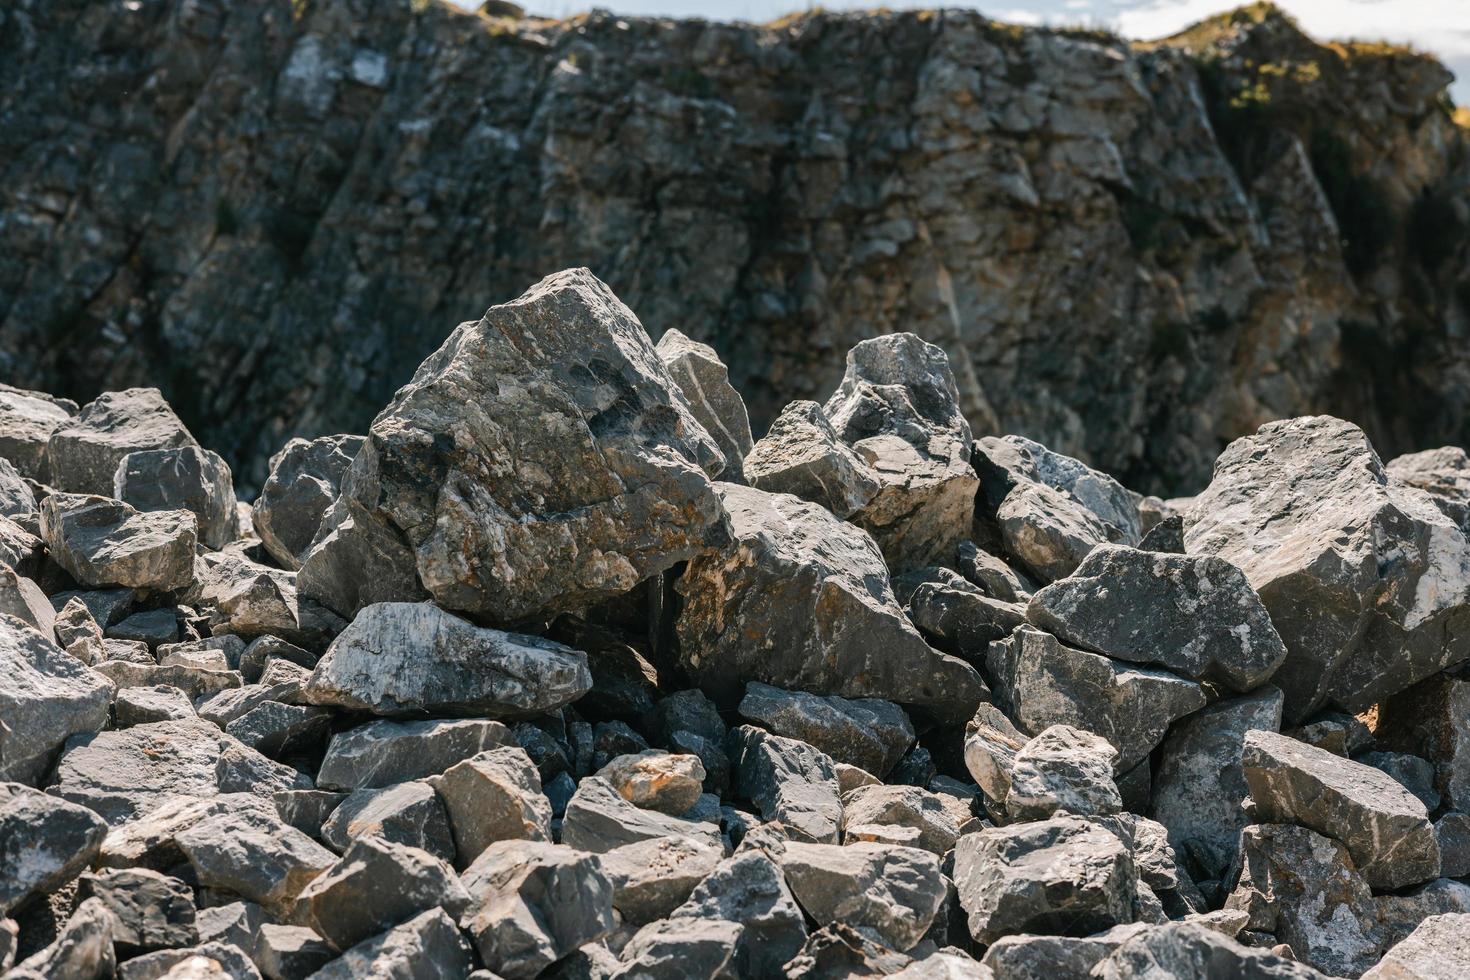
(1131, 253)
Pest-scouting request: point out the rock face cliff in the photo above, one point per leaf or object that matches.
(1131, 253)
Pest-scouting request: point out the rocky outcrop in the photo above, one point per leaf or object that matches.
(1131, 253)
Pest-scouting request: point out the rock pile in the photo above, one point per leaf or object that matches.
(557, 672)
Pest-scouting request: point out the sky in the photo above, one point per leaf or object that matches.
(1441, 27)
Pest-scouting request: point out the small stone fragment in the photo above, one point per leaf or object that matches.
(656, 780)
(801, 455)
(493, 796)
(599, 819)
(902, 808)
(46, 696)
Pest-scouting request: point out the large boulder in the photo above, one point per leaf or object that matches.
(1195, 615)
(403, 658)
(46, 696)
(187, 478)
(103, 542)
(898, 408)
(44, 843)
(1382, 824)
(27, 419)
(801, 600)
(801, 455)
(1442, 473)
(892, 892)
(84, 451)
(305, 479)
(1439, 949)
(541, 460)
(1039, 682)
(705, 382)
(1367, 582)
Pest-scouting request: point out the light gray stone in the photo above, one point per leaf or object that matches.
(892, 892)
(598, 819)
(185, 478)
(44, 843)
(426, 947)
(801, 455)
(1439, 949)
(653, 877)
(405, 813)
(493, 796)
(254, 855)
(46, 696)
(705, 383)
(382, 753)
(657, 780)
(102, 542)
(750, 890)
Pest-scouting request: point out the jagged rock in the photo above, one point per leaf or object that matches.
(493, 796)
(1452, 832)
(1062, 769)
(901, 808)
(150, 841)
(1062, 875)
(816, 591)
(307, 809)
(898, 408)
(124, 774)
(1167, 536)
(382, 753)
(1432, 718)
(837, 950)
(46, 696)
(991, 744)
(8, 941)
(254, 855)
(400, 658)
(651, 878)
(78, 633)
(1027, 957)
(656, 780)
(1305, 890)
(207, 961)
(1047, 531)
(27, 419)
(44, 843)
(676, 949)
(1439, 949)
(1008, 461)
(788, 781)
(892, 892)
(23, 599)
(215, 653)
(533, 903)
(954, 615)
(1442, 473)
(263, 649)
(572, 465)
(1398, 913)
(1382, 825)
(150, 910)
(287, 952)
(251, 599)
(1199, 783)
(749, 889)
(84, 451)
(1366, 581)
(705, 383)
(1184, 949)
(375, 885)
(144, 705)
(305, 479)
(598, 819)
(991, 574)
(1195, 615)
(850, 778)
(868, 733)
(235, 924)
(224, 707)
(16, 496)
(1410, 771)
(83, 950)
(801, 455)
(196, 682)
(1039, 682)
(102, 542)
(187, 478)
(426, 947)
(275, 730)
(19, 548)
(406, 813)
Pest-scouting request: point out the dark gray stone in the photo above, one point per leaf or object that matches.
(144, 705)
(954, 615)
(750, 890)
(405, 813)
(305, 479)
(676, 949)
(186, 478)
(44, 843)
(922, 814)
(290, 952)
(426, 947)
(84, 451)
(83, 950)
(653, 877)
(867, 733)
(382, 753)
(1184, 949)
(802, 455)
(150, 910)
(493, 796)
(154, 627)
(46, 696)
(598, 819)
(788, 781)
(254, 855)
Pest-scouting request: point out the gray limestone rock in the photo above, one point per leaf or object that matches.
(991, 574)
(898, 408)
(1039, 681)
(16, 496)
(533, 903)
(1442, 473)
(374, 886)
(27, 419)
(893, 893)
(1382, 824)
(954, 615)
(82, 951)
(405, 813)
(1439, 949)
(253, 855)
(44, 843)
(382, 753)
(196, 682)
(682, 949)
(493, 796)
(653, 877)
(1432, 719)
(1185, 949)
(277, 730)
(1199, 783)
(991, 744)
(1195, 615)
(801, 455)
(1006, 461)
(750, 890)
(399, 658)
(657, 780)
(84, 451)
(788, 781)
(598, 819)
(150, 841)
(123, 774)
(427, 947)
(1366, 581)
(288, 952)
(1031, 957)
(541, 460)
(150, 626)
(868, 811)
(1047, 531)
(816, 592)
(705, 383)
(868, 733)
(305, 479)
(102, 542)
(150, 910)
(23, 599)
(144, 705)
(1062, 875)
(19, 548)
(46, 696)
(1063, 768)
(207, 961)
(307, 809)
(78, 633)
(186, 478)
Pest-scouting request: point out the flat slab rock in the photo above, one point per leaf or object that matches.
(541, 460)
(403, 658)
(1383, 825)
(869, 733)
